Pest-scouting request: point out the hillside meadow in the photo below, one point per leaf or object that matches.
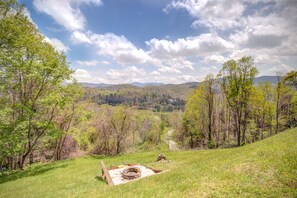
(267, 168)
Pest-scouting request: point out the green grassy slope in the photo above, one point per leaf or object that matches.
(264, 169)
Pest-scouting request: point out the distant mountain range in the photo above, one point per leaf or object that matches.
(272, 79)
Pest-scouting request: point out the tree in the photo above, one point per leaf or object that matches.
(32, 73)
(209, 98)
(237, 79)
(262, 106)
(67, 117)
(195, 121)
(121, 124)
(279, 87)
(290, 79)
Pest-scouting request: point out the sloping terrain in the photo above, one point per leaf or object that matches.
(264, 169)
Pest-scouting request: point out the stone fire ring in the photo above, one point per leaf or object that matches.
(131, 173)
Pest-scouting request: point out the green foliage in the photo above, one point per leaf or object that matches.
(32, 73)
(291, 79)
(210, 144)
(196, 118)
(237, 79)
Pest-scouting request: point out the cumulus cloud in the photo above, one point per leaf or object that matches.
(262, 32)
(57, 44)
(155, 73)
(217, 14)
(79, 37)
(88, 63)
(126, 75)
(65, 12)
(219, 59)
(203, 44)
(82, 75)
(91, 63)
(269, 36)
(117, 47)
(187, 78)
(173, 65)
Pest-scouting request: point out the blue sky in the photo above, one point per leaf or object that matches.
(169, 41)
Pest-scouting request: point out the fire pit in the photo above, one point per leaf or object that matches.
(125, 173)
(131, 173)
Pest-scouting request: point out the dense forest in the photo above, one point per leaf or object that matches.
(141, 99)
(42, 118)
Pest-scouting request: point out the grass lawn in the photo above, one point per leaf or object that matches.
(264, 169)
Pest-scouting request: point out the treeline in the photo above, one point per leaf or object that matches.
(229, 109)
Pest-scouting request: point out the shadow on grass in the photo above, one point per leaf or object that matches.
(100, 179)
(31, 171)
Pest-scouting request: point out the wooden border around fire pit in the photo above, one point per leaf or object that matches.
(105, 174)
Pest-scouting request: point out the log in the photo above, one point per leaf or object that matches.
(105, 174)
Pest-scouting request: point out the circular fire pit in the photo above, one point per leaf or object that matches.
(131, 173)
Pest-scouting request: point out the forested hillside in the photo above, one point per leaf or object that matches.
(156, 97)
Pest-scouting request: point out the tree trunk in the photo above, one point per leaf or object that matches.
(191, 141)
(244, 125)
(59, 147)
(31, 158)
(118, 150)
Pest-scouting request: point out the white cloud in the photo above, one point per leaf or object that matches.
(57, 44)
(88, 63)
(155, 73)
(79, 37)
(280, 69)
(201, 45)
(173, 65)
(261, 32)
(82, 75)
(105, 62)
(65, 12)
(187, 78)
(219, 59)
(218, 14)
(92, 63)
(126, 75)
(117, 47)
(167, 69)
(269, 36)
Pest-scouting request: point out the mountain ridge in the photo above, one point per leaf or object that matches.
(272, 79)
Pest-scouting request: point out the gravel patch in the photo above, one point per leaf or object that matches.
(116, 174)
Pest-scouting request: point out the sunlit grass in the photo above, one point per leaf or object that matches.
(264, 169)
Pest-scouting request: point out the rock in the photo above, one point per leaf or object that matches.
(161, 158)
